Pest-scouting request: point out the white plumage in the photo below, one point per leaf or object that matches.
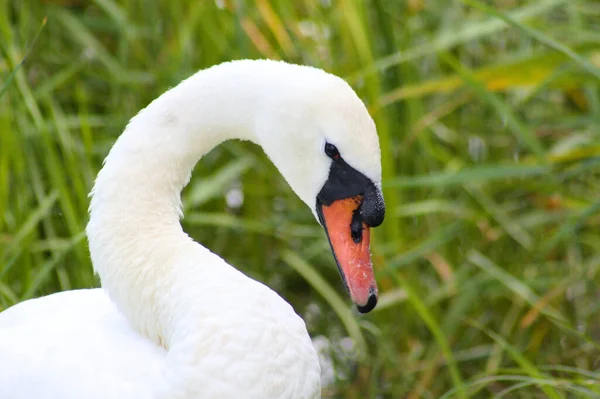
(173, 320)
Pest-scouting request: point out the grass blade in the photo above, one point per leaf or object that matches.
(539, 36)
(518, 127)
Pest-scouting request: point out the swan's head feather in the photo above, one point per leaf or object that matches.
(310, 109)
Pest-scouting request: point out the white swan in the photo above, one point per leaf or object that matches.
(180, 322)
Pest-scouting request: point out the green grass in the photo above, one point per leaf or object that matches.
(489, 118)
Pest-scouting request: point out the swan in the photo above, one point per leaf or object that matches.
(172, 319)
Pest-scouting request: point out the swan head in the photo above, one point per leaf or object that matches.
(322, 139)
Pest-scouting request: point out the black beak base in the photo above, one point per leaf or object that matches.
(345, 182)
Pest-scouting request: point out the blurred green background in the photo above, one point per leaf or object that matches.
(489, 120)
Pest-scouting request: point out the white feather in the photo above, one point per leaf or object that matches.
(173, 320)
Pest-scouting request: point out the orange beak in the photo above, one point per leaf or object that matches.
(349, 239)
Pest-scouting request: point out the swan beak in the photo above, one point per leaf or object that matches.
(349, 237)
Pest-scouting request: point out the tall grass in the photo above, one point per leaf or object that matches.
(489, 119)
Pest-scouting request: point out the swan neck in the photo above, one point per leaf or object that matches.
(136, 241)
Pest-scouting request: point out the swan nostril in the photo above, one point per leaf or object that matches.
(356, 227)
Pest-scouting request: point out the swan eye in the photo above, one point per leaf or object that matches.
(332, 151)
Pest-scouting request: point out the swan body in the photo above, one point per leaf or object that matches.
(172, 319)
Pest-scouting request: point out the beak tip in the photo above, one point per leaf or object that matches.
(371, 303)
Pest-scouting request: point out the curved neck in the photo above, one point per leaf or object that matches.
(135, 238)
(152, 160)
